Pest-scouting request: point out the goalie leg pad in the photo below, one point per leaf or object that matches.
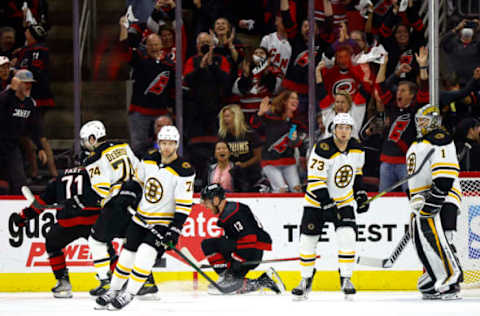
(308, 247)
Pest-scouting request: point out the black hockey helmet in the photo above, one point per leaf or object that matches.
(211, 191)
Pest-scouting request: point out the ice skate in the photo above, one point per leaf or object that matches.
(272, 281)
(347, 287)
(149, 290)
(300, 293)
(63, 289)
(212, 290)
(104, 300)
(123, 299)
(102, 288)
(230, 284)
(452, 294)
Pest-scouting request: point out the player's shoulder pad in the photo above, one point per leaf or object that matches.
(353, 143)
(229, 209)
(326, 148)
(439, 137)
(182, 167)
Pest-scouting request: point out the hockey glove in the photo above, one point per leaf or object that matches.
(433, 201)
(72, 208)
(361, 197)
(170, 238)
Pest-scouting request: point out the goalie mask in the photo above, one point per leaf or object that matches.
(427, 119)
(169, 132)
(90, 134)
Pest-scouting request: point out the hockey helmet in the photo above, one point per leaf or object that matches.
(343, 118)
(94, 129)
(211, 191)
(427, 119)
(169, 132)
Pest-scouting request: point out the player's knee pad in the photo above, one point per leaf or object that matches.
(308, 244)
(346, 236)
(312, 221)
(145, 258)
(97, 246)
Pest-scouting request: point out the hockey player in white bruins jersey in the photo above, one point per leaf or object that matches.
(435, 197)
(109, 166)
(333, 193)
(167, 181)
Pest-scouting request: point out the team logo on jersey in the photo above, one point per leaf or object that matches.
(344, 176)
(411, 162)
(186, 165)
(280, 145)
(153, 190)
(324, 146)
(347, 84)
(158, 84)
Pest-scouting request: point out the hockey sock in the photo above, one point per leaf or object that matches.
(144, 261)
(346, 250)
(308, 247)
(122, 269)
(101, 259)
(216, 259)
(57, 262)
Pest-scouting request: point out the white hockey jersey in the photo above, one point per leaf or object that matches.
(334, 170)
(442, 163)
(279, 50)
(109, 166)
(167, 190)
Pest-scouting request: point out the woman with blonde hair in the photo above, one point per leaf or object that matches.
(244, 145)
(282, 134)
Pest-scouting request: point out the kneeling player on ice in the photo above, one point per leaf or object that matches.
(333, 193)
(435, 199)
(167, 195)
(240, 249)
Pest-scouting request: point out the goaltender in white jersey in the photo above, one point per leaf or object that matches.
(333, 194)
(435, 197)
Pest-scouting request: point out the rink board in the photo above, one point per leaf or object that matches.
(24, 263)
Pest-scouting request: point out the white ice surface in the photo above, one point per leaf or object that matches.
(264, 304)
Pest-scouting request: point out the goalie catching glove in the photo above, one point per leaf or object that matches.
(361, 197)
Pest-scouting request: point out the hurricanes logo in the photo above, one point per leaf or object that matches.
(153, 190)
(344, 176)
(411, 162)
(347, 84)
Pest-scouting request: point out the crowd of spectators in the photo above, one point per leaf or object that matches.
(245, 81)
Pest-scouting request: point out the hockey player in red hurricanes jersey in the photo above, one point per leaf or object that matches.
(244, 241)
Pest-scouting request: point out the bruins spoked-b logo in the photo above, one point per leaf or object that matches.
(343, 176)
(153, 190)
(411, 162)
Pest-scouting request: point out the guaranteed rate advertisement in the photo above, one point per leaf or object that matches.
(379, 231)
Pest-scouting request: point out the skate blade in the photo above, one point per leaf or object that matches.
(100, 307)
(63, 295)
(276, 278)
(300, 298)
(149, 297)
(450, 297)
(349, 297)
(112, 308)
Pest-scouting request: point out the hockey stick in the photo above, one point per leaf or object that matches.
(178, 252)
(27, 193)
(404, 180)
(389, 261)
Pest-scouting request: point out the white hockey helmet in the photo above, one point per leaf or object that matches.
(427, 119)
(169, 132)
(342, 118)
(94, 129)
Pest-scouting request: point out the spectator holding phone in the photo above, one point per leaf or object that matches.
(463, 49)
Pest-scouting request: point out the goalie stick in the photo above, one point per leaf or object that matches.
(187, 253)
(393, 186)
(178, 252)
(389, 261)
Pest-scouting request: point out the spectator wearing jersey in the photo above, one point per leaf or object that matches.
(151, 143)
(400, 113)
(256, 79)
(206, 82)
(402, 36)
(245, 147)
(7, 41)
(221, 170)
(462, 49)
(35, 57)
(282, 135)
(467, 141)
(6, 72)
(154, 83)
(277, 44)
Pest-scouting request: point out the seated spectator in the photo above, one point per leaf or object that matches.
(257, 78)
(151, 143)
(7, 41)
(6, 72)
(467, 141)
(282, 136)
(462, 50)
(221, 171)
(244, 145)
